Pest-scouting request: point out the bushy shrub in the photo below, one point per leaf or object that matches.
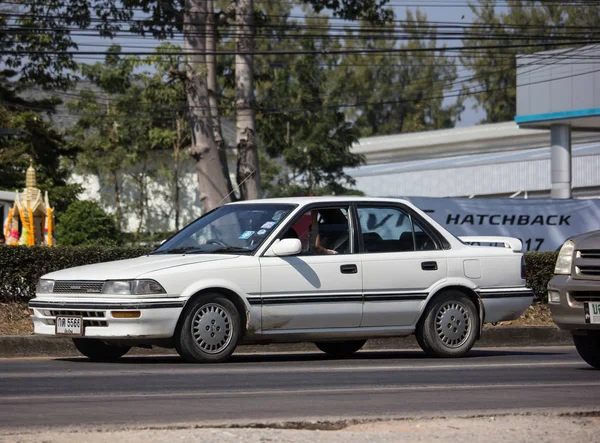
(21, 266)
(86, 223)
(540, 269)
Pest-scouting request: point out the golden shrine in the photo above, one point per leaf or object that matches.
(31, 219)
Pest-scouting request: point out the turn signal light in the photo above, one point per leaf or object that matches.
(126, 314)
(31, 311)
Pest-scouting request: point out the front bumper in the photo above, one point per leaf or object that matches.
(568, 313)
(158, 317)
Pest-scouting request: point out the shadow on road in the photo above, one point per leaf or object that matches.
(370, 355)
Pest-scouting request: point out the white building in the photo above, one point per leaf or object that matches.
(493, 160)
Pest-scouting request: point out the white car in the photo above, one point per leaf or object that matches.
(332, 270)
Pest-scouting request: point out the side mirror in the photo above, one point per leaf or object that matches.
(287, 246)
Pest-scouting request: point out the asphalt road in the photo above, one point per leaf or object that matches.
(269, 388)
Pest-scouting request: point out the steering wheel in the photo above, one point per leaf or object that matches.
(213, 241)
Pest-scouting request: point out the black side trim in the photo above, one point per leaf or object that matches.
(300, 299)
(395, 297)
(520, 294)
(310, 299)
(79, 305)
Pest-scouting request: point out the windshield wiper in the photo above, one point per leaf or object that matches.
(230, 249)
(182, 250)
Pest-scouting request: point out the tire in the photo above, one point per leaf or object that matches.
(97, 350)
(588, 347)
(209, 331)
(448, 329)
(340, 349)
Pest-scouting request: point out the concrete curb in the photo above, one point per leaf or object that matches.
(16, 346)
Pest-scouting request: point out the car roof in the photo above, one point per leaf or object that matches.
(302, 201)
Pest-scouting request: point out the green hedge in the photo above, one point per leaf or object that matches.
(540, 269)
(21, 267)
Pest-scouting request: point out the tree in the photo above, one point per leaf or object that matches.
(315, 139)
(248, 171)
(28, 137)
(99, 131)
(398, 92)
(170, 129)
(85, 223)
(493, 84)
(212, 172)
(160, 18)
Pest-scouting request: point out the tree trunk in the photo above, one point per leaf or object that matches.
(211, 177)
(143, 195)
(211, 66)
(118, 213)
(176, 149)
(248, 173)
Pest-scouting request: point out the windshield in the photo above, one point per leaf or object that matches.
(234, 228)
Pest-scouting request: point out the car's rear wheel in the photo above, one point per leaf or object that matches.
(588, 347)
(340, 349)
(97, 350)
(210, 330)
(449, 326)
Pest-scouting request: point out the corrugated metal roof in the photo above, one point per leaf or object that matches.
(483, 174)
(492, 158)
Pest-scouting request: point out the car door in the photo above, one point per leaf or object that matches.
(400, 262)
(322, 286)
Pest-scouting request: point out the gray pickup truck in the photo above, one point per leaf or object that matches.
(574, 294)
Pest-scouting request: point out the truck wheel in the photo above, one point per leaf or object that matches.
(449, 326)
(97, 350)
(340, 349)
(210, 330)
(588, 347)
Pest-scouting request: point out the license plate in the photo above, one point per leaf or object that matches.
(69, 326)
(592, 312)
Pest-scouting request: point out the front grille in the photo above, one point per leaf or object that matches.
(78, 287)
(90, 318)
(590, 253)
(589, 270)
(88, 314)
(582, 296)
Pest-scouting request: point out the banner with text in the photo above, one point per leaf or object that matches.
(542, 225)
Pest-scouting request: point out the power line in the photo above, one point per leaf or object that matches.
(323, 51)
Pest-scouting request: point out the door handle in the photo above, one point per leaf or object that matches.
(349, 269)
(429, 266)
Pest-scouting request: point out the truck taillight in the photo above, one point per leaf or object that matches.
(523, 270)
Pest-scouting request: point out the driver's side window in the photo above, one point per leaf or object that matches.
(322, 231)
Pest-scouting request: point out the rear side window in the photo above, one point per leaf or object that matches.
(390, 229)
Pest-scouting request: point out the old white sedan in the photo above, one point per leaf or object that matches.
(334, 271)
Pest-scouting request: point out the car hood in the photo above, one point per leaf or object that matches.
(589, 240)
(131, 268)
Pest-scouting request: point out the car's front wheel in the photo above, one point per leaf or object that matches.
(97, 350)
(449, 326)
(340, 349)
(588, 347)
(209, 331)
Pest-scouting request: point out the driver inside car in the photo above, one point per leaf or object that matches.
(331, 233)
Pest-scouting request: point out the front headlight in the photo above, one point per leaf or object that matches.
(133, 287)
(45, 286)
(565, 259)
